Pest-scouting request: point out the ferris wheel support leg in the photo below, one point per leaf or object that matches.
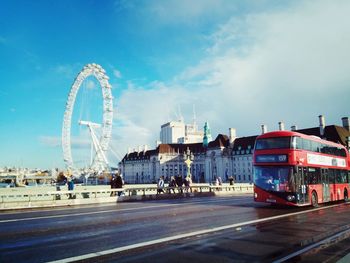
(99, 151)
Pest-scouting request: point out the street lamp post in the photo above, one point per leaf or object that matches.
(188, 157)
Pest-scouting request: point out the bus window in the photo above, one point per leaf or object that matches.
(272, 178)
(306, 145)
(313, 175)
(341, 176)
(298, 142)
(331, 176)
(315, 146)
(295, 143)
(273, 143)
(341, 152)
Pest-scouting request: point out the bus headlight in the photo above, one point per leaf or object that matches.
(290, 198)
(255, 195)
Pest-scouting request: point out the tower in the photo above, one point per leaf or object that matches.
(207, 135)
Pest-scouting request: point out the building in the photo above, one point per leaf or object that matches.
(242, 159)
(166, 160)
(179, 132)
(172, 131)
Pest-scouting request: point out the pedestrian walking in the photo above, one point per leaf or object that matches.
(160, 185)
(179, 183)
(188, 182)
(231, 180)
(70, 187)
(172, 184)
(119, 183)
(220, 183)
(113, 185)
(220, 180)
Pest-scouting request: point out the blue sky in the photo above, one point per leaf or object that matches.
(241, 63)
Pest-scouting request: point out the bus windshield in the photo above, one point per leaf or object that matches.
(273, 143)
(274, 178)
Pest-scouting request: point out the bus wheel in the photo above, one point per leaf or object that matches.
(346, 197)
(314, 200)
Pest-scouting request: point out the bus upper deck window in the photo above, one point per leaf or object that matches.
(294, 143)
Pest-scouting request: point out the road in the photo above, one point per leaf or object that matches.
(207, 229)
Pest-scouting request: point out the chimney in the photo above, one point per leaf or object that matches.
(233, 135)
(145, 149)
(293, 128)
(281, 126)
(263, 129)
(322, 125)
(345, 121)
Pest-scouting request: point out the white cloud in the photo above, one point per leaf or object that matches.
(140, 113)
(66, 70)
(289, 65)
(117, 73)
(51, 141)
(90, 84)
(77, 142)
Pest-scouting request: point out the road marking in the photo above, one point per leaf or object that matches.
(159, 205)
(181, 236)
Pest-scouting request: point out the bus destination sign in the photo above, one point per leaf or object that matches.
(271, 158)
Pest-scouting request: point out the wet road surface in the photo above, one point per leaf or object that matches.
(43, 235)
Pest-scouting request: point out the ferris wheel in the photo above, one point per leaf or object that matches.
(100, 142)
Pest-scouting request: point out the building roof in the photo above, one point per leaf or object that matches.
(244, 142)
(220, 142)
(180, 148)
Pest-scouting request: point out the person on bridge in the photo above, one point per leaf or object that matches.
(188, 182)
(113, 185)
(179, 183)
(232, 181)
(172, 185)
(70, 187)
(160, 185)
(119, 183)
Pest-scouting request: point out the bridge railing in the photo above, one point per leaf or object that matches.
(45, 197)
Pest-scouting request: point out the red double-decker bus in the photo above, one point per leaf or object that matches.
(295, 169)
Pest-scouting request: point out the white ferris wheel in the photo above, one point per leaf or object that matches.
(99, 143)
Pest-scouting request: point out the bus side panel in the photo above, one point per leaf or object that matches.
(337, 192)
(340, 190)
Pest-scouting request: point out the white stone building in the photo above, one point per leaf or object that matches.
(179, 132)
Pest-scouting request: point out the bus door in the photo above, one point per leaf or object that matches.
(301, 184)
(325, 185)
